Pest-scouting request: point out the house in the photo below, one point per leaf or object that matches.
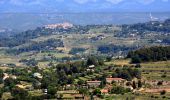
(91, 68)
(93, 83)
(5, 76)
(104, 91)
(117, 80)
(45, 91)
(38, 75)
(9, 76)
(65, 25)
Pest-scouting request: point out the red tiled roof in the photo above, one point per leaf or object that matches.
(104, 91)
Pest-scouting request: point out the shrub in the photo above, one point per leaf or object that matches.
(163, 92)
(120, 90)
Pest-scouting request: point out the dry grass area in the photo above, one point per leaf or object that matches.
(9, 60)
(43, 64)
(45, 38)
(36, 93)
(120, 62)
(155, 70)
(157, 64)
(6, 96)
(4, 68)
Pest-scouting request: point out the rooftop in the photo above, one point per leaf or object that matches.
(115, 79)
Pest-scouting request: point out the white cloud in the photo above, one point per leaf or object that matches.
(145, 1)
(81, 1)
(59, 0)
(36, 2)
(114, 1)
(28, 2)
(84, 1)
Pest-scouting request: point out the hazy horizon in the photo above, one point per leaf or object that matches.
(27, 21)
(44, 6)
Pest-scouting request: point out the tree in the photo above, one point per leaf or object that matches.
(125, 75)
(134, 85)
(1, 76)
(163, 92)
(119, 90)
(1, 91)
(80, 82)
(164, 75)
(139, 84)
(156, 53)
(63, 79)
(138, 66)
(103, 84)
(83, 91)
(51, 90)
(136, 59)
(10, 83)
(92, 61)
(101, 62)
(97, 92)
(31, 62)
(19, 94)
(160, 83)
(108, 58)
(114, 75)
(137, 73)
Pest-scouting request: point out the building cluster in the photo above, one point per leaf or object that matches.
(60, 25)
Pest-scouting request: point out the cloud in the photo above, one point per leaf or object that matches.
(84, 1)
(81, 1)
(114, 1)
(21, 2)
(145, 1)
(35, 2)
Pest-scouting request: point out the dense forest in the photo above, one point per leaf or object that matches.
(115, 48)
(150, 54)
(38, 46)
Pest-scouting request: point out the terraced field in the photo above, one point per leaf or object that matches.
(156, 70)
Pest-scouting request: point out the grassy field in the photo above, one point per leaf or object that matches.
(130, 96)
(45, 38)
(36, 93)
(155, 70)
(9, 60)
(5, 68)
(119, 62)
(150, 70)
(157, 64)
(6, 96)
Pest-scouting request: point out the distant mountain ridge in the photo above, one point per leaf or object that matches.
(25, 21)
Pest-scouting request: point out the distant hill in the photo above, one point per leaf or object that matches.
(25, 21)
(23, 41)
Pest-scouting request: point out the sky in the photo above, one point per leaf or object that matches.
(44, 6)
